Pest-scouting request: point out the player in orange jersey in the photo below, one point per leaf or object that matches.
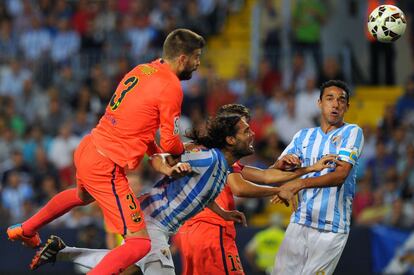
(207, 242)
(148, 98)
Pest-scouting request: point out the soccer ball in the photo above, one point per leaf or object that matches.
(386, 23)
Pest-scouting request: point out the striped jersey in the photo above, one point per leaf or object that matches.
(173, 201)
(328, 208)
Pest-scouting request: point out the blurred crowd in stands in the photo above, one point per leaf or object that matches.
(61, 60)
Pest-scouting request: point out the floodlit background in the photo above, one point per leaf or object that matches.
(60, 61)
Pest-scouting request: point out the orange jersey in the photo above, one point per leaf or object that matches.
(148, 98)
(225, 200)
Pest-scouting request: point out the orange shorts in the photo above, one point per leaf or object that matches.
(106, 182)
(209, 249)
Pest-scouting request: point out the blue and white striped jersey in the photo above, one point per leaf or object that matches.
(173, 201)
(327, 208)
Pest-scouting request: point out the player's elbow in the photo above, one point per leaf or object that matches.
(238, 192)
(174, 147)
(340, 177)
(235, 186)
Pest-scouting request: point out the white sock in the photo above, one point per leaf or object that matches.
(85, 257)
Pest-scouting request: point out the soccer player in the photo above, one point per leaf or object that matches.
(319, 228)
(207, 241)
(148, 98)
(173, 201)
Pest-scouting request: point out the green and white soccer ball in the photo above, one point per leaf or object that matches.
(387, 23)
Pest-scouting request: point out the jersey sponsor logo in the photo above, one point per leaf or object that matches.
(146, 69)
(176, 125)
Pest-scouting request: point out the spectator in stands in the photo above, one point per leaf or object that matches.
(388, 123)
(306, 101)
(14, 119)
(35, 140)
(49, 187)
(262, 248)
(32, 102)
(65, 43)
(331, 69)
(405, 168)
(240, 83)
(56, 115)
(67, 83)
(364, 196)
(268, 78)
(17, 164)
(43, 168)
(405, 104)
(270, 26)
(276, 105)
(61, 153)
(12, 79)
(294, 79)
(8, 40)
(380, 164)
(290, 122)
(260, 123)
(377, 212)
(309, 17)
(8, 143)
(37, 35)
(192, 18)
(14, 195)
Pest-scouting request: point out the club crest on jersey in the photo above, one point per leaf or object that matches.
(176, 125)
(136, 217)
(336, 140)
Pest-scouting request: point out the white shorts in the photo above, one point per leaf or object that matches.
(307, 250)
(160, 251)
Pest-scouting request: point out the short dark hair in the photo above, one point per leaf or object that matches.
(181, 41)
(234, 108)
(218, 128)
(335, 83)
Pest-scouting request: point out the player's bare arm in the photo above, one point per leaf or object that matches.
(335, 178)
(287, 162)
(241, 187)
(272, 176)
(232, 215)
(159, 163)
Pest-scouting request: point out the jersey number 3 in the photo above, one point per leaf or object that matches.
(129, 84)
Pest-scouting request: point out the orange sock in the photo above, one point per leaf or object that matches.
(56, 207)
(120, 258)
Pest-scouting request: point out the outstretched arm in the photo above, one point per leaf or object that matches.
(241, 187)
(272, 175)
(244, 188)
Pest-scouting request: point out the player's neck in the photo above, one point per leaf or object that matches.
(173, 65)
(229, 156)
(327, 127)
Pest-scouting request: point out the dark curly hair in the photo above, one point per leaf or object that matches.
(234, 108)
(218, 128)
